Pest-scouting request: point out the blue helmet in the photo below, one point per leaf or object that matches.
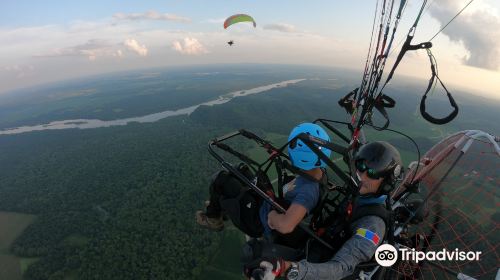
(300, 154)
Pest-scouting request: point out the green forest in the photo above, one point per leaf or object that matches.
(123, 199)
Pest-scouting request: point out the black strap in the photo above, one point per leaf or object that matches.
(252, 136)
(279, 170)
(347, 101)
(385, 101)
(336, 131)
(264, 183)
(381, 102)
(407, 46)
(239, 155)
(426, 115)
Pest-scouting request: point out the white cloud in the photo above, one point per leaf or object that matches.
(92, 49)
(282, 27)
(133, 45)
(189, 46)
(151, 15)
(19, 71)
(477, 29)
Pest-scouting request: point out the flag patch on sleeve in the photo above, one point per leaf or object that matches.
(367, 234)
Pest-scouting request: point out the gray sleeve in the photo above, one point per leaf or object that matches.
(355, 250)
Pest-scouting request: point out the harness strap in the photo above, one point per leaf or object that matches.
(426, 115)
(347, 102)
(381, 102)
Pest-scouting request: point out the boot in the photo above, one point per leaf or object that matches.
(224, 216)
(215, 224)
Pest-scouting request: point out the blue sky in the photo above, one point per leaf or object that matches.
(325, 16)
(48, 41)
(27, 13)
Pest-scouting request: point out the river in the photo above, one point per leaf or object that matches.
(95, 123)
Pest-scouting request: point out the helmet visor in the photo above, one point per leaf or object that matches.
(362, 167)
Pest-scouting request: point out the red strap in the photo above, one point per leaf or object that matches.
(281, 265)
(349, 210)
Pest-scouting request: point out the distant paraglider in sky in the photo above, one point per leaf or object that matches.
(238, 18)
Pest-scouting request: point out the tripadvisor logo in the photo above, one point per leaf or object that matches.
(387, 255)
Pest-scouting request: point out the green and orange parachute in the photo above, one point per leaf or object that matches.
(238, 18)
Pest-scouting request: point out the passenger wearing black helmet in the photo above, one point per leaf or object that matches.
(355, 238)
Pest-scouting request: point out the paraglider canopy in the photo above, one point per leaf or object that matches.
(238, 18)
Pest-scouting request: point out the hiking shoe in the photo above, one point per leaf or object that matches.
(224, 216)
(216, 224)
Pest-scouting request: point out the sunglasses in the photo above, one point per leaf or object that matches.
(362, 167)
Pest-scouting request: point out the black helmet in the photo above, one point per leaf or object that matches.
(383, 160)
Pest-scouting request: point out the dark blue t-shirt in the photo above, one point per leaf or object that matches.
(299, 191)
